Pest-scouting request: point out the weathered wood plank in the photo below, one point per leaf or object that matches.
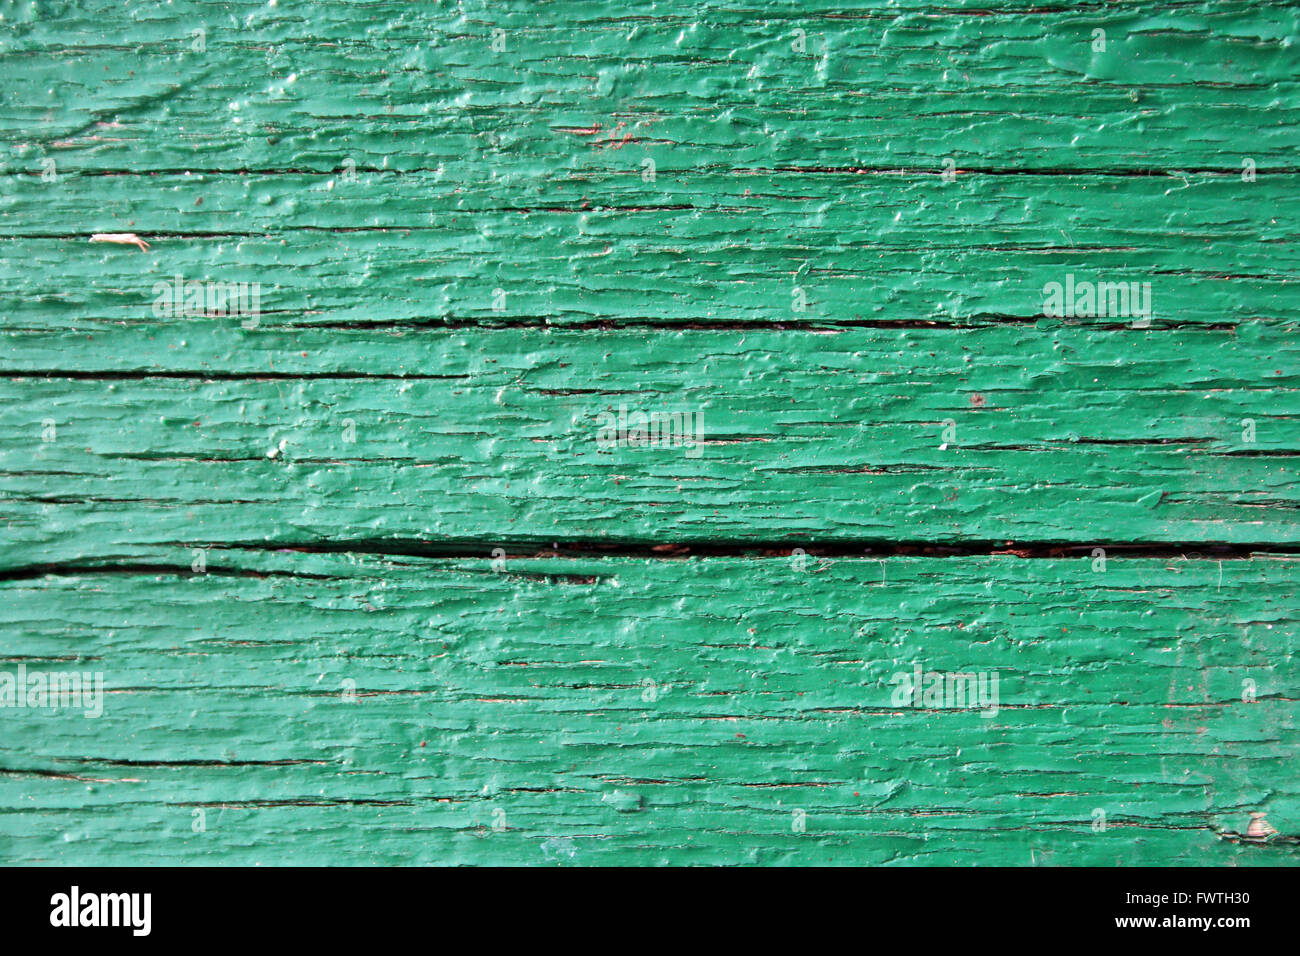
(1070, 434)
(877, 84)
(466, 245)
(627, 711)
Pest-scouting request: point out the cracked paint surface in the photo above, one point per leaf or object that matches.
(365, 588)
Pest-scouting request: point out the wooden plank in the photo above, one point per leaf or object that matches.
(467, 244)
(628, 711)
(496, 437)
(877, 84)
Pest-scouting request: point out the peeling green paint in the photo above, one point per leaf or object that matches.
(634, 708)
(365, 580)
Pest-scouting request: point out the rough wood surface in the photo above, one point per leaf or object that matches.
(362, 579)
(424, 248)
(1056, 435)
(636, 711)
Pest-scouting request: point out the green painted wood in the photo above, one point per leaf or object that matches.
(274, 539)
(494, 436)
(431, 247)
(1013, 85)
(628, 711)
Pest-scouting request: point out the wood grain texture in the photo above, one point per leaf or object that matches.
(366, 586)
(492, 436)
(632, 711)
(1013, 85)
(431, 248)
